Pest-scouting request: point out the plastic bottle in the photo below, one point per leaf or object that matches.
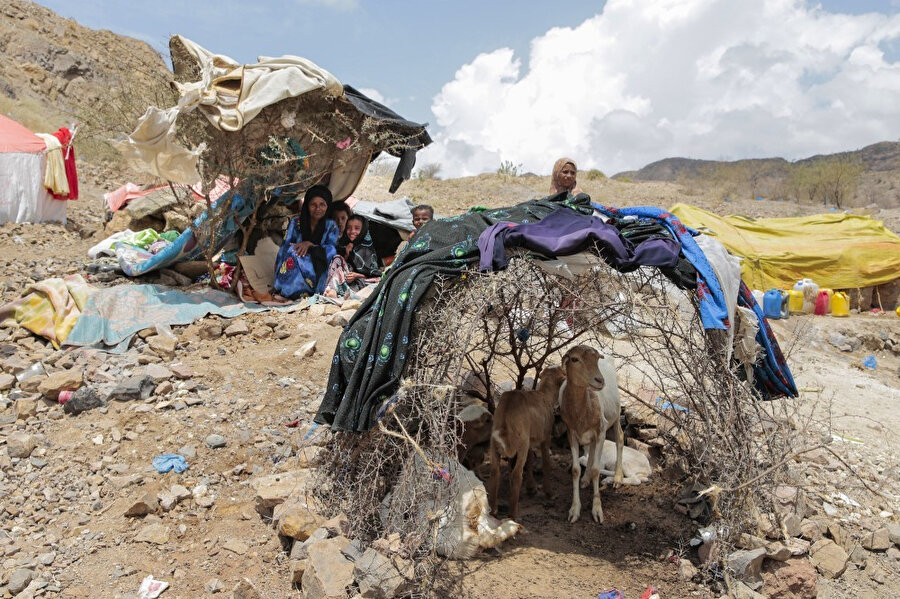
(32, 371)
(840, 304)
(772, 304)
(821, 304)
(795, 301)
(810, 292)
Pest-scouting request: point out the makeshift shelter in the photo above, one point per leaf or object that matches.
(838, 251)
(489, 299)
(23, 163)
(278, 126)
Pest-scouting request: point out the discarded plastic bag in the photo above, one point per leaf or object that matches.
(870, 362)
(151, 588)
(611, 594)
(170, 461)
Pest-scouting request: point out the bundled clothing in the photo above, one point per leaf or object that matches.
(566, 232)
(711, 298)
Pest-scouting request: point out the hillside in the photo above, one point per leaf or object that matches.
(879, 180)
(54, 71)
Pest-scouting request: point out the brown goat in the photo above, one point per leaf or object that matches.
(589, 405)
(523, 420)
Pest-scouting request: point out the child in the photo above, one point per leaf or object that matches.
(356, 260)
(421, 214)
(359, 250)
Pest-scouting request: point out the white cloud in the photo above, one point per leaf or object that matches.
(373, 93)
(646, 79)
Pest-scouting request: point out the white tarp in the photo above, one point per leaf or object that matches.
(230, 95)
(23, 197)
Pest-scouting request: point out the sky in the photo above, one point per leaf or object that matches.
(614, 85)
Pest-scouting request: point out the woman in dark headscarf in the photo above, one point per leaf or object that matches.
(309, 246)
(563, 177)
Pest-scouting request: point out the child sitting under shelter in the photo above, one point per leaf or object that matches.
(356, 259)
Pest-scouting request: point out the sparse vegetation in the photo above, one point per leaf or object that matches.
(428, 171)
(508, 169)
(595, 174)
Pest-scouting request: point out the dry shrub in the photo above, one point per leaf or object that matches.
(505, 328)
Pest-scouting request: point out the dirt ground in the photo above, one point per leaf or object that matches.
(93, 467)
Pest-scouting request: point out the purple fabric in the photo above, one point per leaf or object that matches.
(565, 232)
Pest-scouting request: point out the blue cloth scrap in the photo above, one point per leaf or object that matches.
(666, 405)
(713, 307)
(611, 594)
(170, 461)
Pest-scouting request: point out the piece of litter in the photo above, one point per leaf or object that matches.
(170, 461)
(870, 362)
(843, 497)
(665, 405)
(650, 593)
(151, 588)
(611, 594)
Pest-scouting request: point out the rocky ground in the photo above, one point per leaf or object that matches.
(85, 513)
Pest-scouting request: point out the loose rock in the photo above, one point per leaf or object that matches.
(65, 380)
(20, 444)
(829, 558)
(376, 576)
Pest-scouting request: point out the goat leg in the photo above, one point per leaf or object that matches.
(494, 484)
(545, 468)
(589, 465)
(530, 484)
(596, 506)
(575, 510)
(620, 444)
(516, 481)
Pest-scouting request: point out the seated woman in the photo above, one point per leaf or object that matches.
(356, 259)
(563, 177)
(309, 246)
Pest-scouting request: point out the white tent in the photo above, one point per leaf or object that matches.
(23, 197)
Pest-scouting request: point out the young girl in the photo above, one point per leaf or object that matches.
(356, 259)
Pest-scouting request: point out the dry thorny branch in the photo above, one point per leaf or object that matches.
(504, 328)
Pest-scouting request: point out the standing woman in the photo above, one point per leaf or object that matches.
(563, 178)
(309, 246)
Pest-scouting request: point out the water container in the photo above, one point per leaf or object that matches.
(840, 304)
(772, 304)
(810, 293)
(795, 301)
(821, 303)
(785, 305)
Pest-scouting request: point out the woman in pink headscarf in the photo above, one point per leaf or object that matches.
(563, 178)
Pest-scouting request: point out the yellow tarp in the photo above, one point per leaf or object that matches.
(838, 251)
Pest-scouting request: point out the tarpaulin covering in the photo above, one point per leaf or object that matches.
(838, 251)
